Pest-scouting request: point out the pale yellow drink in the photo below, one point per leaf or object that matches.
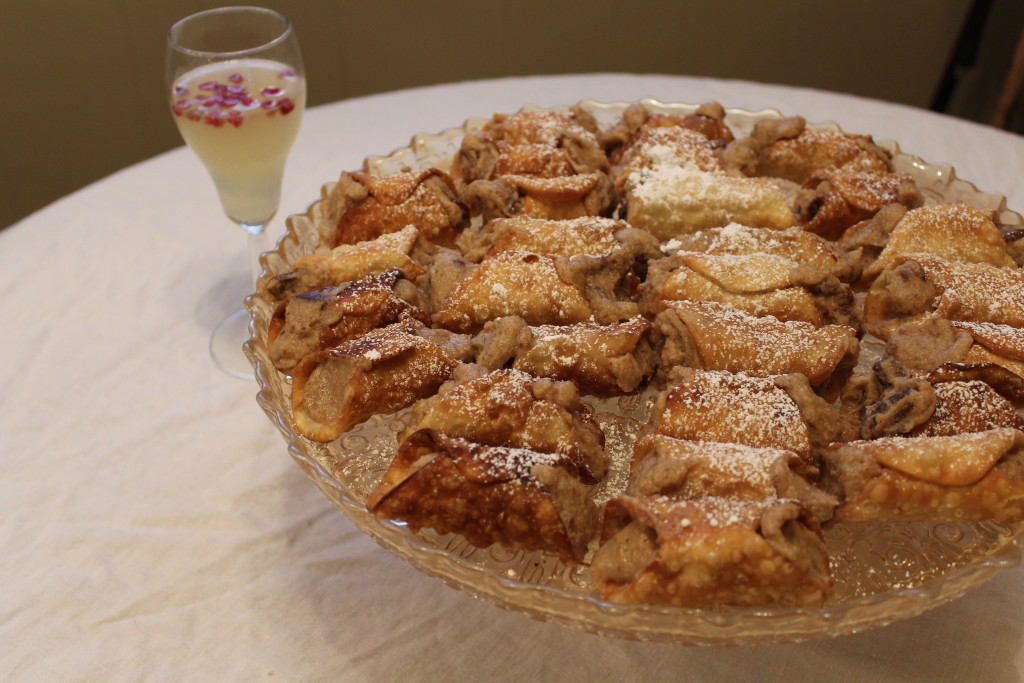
(240, 118)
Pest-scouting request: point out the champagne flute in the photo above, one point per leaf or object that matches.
(237, 90)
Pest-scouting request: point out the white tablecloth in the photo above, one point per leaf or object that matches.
(153, 526)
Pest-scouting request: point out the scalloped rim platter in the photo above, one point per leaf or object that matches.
(883, 572)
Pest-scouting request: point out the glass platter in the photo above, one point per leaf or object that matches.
(882, 572)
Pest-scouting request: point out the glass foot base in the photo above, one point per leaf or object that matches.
(226, 345)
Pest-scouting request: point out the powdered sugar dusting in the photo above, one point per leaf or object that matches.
(735, 408)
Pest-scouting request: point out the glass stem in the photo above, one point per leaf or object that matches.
(257, 245)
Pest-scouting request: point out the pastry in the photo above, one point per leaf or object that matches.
(710, 551)
(972, 476)
(327, 317)
(912, 287)
(347, 263)
(512, 408)
(387, 369)
(668, 275)
(764, 412)
(676, 468)
(362, 207)
(517, 498)
(714, 336)
(602, 360)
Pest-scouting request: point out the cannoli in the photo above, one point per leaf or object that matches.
(517, 498)
(711, 551)
(973, 476)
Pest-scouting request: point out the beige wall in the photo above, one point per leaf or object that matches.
(86, 96)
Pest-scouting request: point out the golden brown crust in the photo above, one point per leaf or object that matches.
(759, 284)
(520, 499)
(968, 406)
(913, 287)
(540, 143)
(814, 151)
(558, 198)
(601, 360)
(707, 551)
(669, 201)
(955, 232)
(726, 338)
(837, 200)
(512, 408)
(653, 146)
(637, 121)
(707, 405)
(517, 248)
(380, 372)
(930, 478)
(676, 468)
(346, 263)
(587, 235)
(326, 317)
(542, 164)
(793, 244)
(929, 342)
(512, 283)
(363, 207)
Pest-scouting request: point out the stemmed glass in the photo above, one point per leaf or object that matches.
(237, 89)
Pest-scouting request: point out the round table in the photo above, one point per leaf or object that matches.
(154, 527)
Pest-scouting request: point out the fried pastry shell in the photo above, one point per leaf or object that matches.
(929, 342)
(710, 551)
(759, 284)
(539, 143)
(512, 283)
(912, 287)
(793, 244)
(335, 389)
(346, 263)
(955, 232)
(973, 476)
(668, 145)
(669, 201)
(558, 198)
(587, 235)
(677, 468)
(713, 336)
(952, 399)
(512, 408)
(327, 317)
(968, 406)
(815, 151)
(781, 411)
(837, 200)
(637, 120)
(519, 499)
(363, 207)
(601, 360)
